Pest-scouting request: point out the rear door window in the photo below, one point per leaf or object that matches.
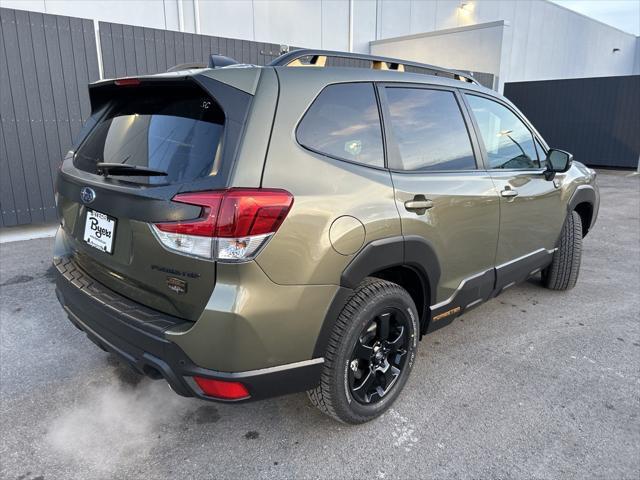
(344, 122)
(177, 130)
(429, 130)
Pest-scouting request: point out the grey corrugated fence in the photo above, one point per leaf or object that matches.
(596, 119)
(128, 50)
(46, 62)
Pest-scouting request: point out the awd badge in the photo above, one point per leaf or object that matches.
(176, 285)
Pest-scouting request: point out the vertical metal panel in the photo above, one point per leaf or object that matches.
(170, 48)
(37, 173)
(237, 50)
(179, 45)
(117, 39)
(80, 62)
(46, 63)
(106, 49)
(43, 74)
(140, 51)
(25, 149)
(594, 118)
(215, 45)
(11, 159)
(150, 50)
(130, 66)
(8, 216)
(90, 50)
(188, 48)
(60, 107)
(197, 49)
(246, 52)
(161, 56)
(69, 75)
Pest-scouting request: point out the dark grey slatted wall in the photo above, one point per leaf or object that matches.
(46, 62)
(139, 50)
(596, 119)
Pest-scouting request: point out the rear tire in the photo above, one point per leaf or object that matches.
(370, 353)
(563, 272)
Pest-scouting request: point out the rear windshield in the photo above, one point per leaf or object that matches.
(176, 130)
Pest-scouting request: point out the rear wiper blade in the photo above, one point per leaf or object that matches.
(128, 170)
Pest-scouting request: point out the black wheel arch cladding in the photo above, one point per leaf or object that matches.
(410, 251)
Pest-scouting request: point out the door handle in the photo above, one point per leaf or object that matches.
(418, 205)
(508, 192)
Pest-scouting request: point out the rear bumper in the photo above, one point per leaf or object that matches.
(136, 334)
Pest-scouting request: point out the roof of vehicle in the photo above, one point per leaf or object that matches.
(313, 63)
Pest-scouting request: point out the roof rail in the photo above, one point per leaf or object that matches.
(318, 58)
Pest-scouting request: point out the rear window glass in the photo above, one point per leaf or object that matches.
(344, 122)
(176, 130)
(429, 129)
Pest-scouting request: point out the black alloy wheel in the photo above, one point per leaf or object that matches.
(370, 353)
(379, 356)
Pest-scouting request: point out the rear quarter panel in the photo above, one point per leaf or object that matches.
(324, 189)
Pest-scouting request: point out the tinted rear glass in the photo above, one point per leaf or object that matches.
(176, 130)
(429, 129)
(344, 122)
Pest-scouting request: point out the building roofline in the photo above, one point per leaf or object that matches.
(445, 31)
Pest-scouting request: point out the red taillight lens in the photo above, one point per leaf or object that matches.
(236, 223)
(222, 389)
(246, 212)
(127, 82)
(203, 226)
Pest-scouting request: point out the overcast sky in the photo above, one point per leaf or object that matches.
(623, 14)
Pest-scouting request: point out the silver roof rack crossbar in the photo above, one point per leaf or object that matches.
(318, 58)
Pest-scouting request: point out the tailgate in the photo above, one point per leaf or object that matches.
(185, 132)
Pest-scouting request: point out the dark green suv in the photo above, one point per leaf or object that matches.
(245, 232)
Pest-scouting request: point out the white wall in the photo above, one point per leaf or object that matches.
(544, 40)
(476, 48)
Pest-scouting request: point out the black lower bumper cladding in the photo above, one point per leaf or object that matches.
(135, 333)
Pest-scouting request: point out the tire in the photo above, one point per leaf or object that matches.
(374, 304)
(563, 272)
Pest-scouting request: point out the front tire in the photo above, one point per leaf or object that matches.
(563, 272)
(370, 353)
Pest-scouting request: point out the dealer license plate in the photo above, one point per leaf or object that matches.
(99, 231)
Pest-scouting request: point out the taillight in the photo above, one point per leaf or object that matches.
(127, 82)
(222, 389)
(233, 225)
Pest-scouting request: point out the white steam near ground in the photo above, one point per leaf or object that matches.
(112, 422)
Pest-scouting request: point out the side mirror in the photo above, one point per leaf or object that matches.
(558, 161)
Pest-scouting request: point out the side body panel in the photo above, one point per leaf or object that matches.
(337, 203)
(462, 223)
(533, 219)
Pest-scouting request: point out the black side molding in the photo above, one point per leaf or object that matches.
(379, 254)
(411, 250)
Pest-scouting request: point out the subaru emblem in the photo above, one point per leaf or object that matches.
(87, 195)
